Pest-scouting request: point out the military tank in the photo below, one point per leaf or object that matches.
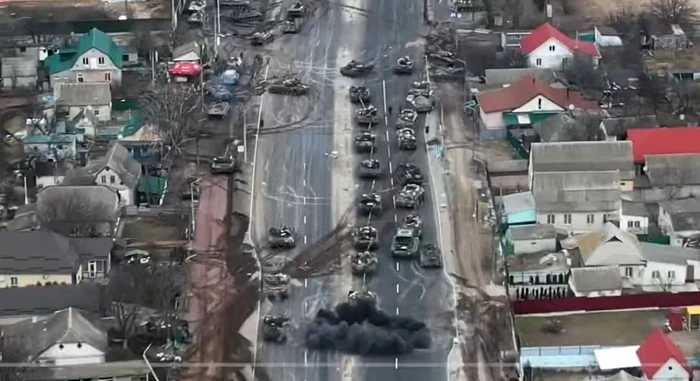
(407, 119)
(367, 115)
(274, 334)
(404, 65)
(409, 173)
(276, 286)
(410, 196)
(356, 69)
(364, 263)
(291, 86)
(365, 238)
(282, 238)
(430, 257)
(413, 222)
(369, 169)
(407, 140)
(369, 203)
(365, 142)
(364, 296)
(360, 94)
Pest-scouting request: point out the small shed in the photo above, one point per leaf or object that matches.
(189, 52)
(529, 239)
(518, 208)
(591, 282)
(19, 72)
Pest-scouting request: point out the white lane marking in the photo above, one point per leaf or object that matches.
(384, 95)
(393, 200)
(386, 120)
(387, 135)
(396, 219)
(304, 183)
(373, 183)
(397, 266)
(391, 180)
(396, 363)
(304, 166)
(306, 357)
(397, 288)
(304, 240)
(388, 149)
(304, 198)
(397, 310)
(391, 169)
(304, 220)
(306, 283)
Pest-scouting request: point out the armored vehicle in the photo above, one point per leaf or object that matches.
(292, 86)
(430, 257)
(292, 26)
(409, 173)
(356, 69)
(410, 196)
(250, 16)
(274, 334)
(276, 286)
(297, 10)
(407, 140)
(262, 38)
(404, 65)
(218, 110)
(222, 165)
(364, 262)
(196, 6)
(369, 169)
(360, 94)
(367, 115)
(421, 85)
(369, 203)
(362, 296)
(413, 222)
(364, 142)
(196, 18)
(422, 104)
(404, 244)
(282, 238)
(412, 93)
(407, 119)
(275, 320)
(218, 92)
(365, 238)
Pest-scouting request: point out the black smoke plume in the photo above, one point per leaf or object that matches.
(360, 328)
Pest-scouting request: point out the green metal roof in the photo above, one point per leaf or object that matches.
(94, 39)
(515, 119)
(49, 139)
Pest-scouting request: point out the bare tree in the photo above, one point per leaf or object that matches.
(512, 59)
(72, 213)
(681, 12)
(653, 89)
(11, 352)
(479, 58)
(176, 112)
(582, 72)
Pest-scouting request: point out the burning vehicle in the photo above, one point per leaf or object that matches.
(365, 238)
(282, 238)
(364, 263)
(276, 286)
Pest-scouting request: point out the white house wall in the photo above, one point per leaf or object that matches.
(579, 221)
(549, 59)
(70, 354)
(671, 371)
(104, 112)
(492, 120)
(534, 105)
(663, 269)
(643, 224)
(46, 181)
(105, 178)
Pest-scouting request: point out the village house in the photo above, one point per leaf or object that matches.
(530, 239)
(662, 360)
(577, 201)
(95, 58)
(525, 101)
(73, 99)
(634, 217)
(606, 36)
(547, 47)
(680, 220)
(518, 209)
(79, 211)
(662, 141)
(594, 282)
(668, 177)
(538, 276)
(616, 128)
(668, 37)
(583, 157)
(116, 170)
(19, 72)
(54, 147)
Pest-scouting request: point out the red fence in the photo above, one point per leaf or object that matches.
(604, 303)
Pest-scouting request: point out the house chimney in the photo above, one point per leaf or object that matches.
(576, 39)
(568, 91)
(533, 79)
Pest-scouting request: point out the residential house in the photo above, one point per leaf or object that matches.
(116, 170)
(607, 36)
(577, 201)
(662, 141)
(583, 157)
(73, 98)
(49, 173)
(662, 360)
(512, 38)
(669, 37)
(593, 282)
(530, 239)
(680, 220)
(670, 268)
(21, 303)
(668, 177)
(95, 58)
(130, 55)
(616, 128)
(55, 147)
(548, 47)
(525, 101)
(189, 52)
(19, 72)
(518, 208)
(79, 211)
(538, 276)
(634, 217)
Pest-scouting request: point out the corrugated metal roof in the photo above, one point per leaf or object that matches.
(82, 94)
(673, 170)
(583, 156)
(591, 279)
(577, 191)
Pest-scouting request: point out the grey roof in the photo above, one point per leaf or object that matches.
(66, 203)
(638, 209)
(583, 156)
(533, 262)
(654, 252)
(608, 246)
(117, 159)
(577, 191)
(37, 252)
(607, 31)
(591, 279)
(619, 126)
(190, 47)
(530, 232)
(21, 301)
(684, 214)
(506, 166)
(82, 94)
(67, 326)
(134, 369)
(560, 128)
(19, 67)
(518, 202)
(499, 77)
(673, 170)
(92, 248)
(622, 376)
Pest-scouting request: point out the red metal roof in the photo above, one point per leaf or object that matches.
(663, 141)
(524, 90)
(656, 350)
(185, 68)
(546, 31)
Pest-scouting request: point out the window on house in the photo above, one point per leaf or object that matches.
(108, 77)
(565, 61)
(101, 60)
(104, 179)
(80, 78)
(92, 269)
(86, 61)
(112, 179)
(538, 62)
(125, 57)
(97, 112)
(590, 219)
(671, 274)
(630, 224)
(14, 282)
(22, 49)
(551, 48)
(637, 224)
(551, 219)
(567, 219)
(539, 103)
(655, 275)
(628, 272)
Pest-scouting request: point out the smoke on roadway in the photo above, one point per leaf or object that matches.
(360, 328)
